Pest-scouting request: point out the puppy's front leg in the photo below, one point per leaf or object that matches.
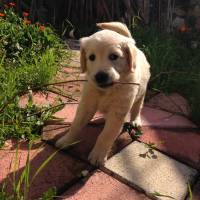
(84, 114)
(135, 112)
(112, 129)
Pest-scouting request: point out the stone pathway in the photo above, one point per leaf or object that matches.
(162, 164)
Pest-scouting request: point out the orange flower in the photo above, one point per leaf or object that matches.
(183, 29)
(12, 4)
(42, 28)
(25, 14)
(2, 15)
(26, 21)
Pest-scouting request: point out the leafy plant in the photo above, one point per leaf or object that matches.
(49, 194)
(190, 192)
(134, 131)
(21, 40)
(30, 56)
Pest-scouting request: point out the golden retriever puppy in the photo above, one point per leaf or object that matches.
(112, 63)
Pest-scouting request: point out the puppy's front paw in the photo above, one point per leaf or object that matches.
(98, 156)
(137, 122)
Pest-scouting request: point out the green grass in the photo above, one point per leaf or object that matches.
(175, 67)
(29, 59)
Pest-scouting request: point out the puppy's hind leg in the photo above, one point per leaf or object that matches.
(136, 112)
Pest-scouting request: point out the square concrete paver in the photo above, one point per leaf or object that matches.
(151, 171)
(100, 186)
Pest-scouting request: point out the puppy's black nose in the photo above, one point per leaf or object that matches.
(101, 77)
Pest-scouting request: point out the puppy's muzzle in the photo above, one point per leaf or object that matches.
(103, 79)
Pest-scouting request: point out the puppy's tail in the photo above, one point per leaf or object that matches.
(115, 26)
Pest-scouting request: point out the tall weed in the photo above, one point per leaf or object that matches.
(20, 186)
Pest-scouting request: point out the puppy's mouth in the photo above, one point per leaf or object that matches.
(106, 85)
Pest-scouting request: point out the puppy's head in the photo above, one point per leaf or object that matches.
(106, 56)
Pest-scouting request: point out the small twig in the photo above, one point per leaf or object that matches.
(10, 100)
(171, 72)
(176, 105)
(81, 80)
(66, 96)
(166, 110)
(128, 83)
(20, 93)
(62, 82)
(47, 109)
(74, 60)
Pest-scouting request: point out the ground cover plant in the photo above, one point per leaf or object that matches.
(29, 59)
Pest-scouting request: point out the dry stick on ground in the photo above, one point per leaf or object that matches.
(73, 61)
(58, 93)
(170, 72)
(12, 99)
(21, 93)
(62, 82)
(47, 109)
(173, 102)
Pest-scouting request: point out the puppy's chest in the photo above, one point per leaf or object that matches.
(113, 100)
(105, 103)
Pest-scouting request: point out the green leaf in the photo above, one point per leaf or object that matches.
(157, 194)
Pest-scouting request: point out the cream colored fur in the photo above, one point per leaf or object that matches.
(117, 100)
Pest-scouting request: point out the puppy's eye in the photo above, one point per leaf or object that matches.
(113, 56)
(92, 57)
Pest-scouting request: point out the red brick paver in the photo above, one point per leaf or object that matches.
(174, 103)
(152, 117)
(101, 186)
(172, 134)
(59, 171)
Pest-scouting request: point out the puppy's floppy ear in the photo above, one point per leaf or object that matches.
(83, 54)
(83, 60)
(130, 51)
